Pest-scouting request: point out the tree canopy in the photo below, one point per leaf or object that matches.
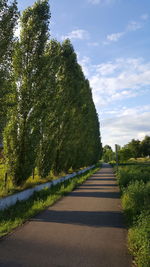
(8, 20)
(52, 122)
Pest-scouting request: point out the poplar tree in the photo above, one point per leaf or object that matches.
(76, 109)
(8, 20)
(66, 81)
(53, 122)
(22, 133)
(50, 118)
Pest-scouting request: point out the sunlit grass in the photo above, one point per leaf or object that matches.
(9, 188)
(140, 160)
(134, 182)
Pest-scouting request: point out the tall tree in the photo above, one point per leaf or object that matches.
(22, 133)
(134, 147)
(108, 154)
(50, 119)
(125, 154)
(70, 129)
(76, 107)
(145, 146)
(8, 20)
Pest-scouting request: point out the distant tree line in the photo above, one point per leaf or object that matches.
(48, 118)
(134, 149)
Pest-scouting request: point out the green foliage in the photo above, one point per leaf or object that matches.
(72, 132)
(124, 154)
(136, 198)
(134, 182)
(53, 124)
(145, 146)
(139, 240)
(130, 174)
(108, 154)
(8, 19)
(135, 149)
(21, 135)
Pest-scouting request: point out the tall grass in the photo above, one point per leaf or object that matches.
(136, 199)
(134, 182)
(129, 174)
(139, 240)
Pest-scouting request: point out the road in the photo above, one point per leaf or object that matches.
(83, 229)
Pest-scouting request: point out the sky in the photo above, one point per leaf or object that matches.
(112, 42)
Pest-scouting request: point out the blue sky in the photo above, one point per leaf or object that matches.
(112, 41)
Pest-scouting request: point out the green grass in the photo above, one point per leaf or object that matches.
(128, 174)
(135, 200)
(139, 160)
(139, 240)
(10, 189)
(134, 182)
(22, 211)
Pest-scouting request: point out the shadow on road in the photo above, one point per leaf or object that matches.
(88, 218)
(102, 179)
(95, 194)
(99, 185)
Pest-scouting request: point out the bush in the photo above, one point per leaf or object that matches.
(134, 182)
(135, 199)
(130, 174)
(139, 240)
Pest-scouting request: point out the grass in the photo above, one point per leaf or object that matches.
(140, 160)
(24, 210)
(128, 174)
(133, 162)
(135, 200)
(134, 182)
(9, 188)
(139, 240)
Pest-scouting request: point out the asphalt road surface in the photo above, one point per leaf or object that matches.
(83, 229)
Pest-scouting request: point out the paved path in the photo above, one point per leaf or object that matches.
(84, 229)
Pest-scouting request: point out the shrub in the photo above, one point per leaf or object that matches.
(130, 174)
(134, 182)
(135, 199)
(139, 240)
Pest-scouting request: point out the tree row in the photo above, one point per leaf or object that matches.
(48, 118)
(134, 149)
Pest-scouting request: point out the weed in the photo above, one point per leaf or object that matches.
(139, 240)
(134, 182)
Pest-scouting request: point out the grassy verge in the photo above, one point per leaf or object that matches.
(22, 211)
(9, 189)
(134, 182)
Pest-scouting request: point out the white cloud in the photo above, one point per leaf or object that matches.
(145, 16)
(114, 37)
(115, 80)
(126, 124)
(134, 26)
(94, 2)
(93, 44)
(103, 2)
(112, 81)
(85, 63)
(106, 68)
(77, 34)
